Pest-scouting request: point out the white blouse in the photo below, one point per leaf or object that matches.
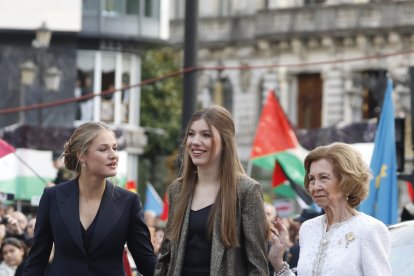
(357, 246)
(6, 270)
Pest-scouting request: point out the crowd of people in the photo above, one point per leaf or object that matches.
(16, 236)
(218, 223)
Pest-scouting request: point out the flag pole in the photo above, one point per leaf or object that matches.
(30, 168)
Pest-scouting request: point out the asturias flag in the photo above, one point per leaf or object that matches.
(382, 201)
(153, 201)
(275, 147)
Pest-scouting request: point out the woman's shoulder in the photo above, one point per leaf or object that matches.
(175, 186)
(245, 183)
(369, 223)
(313, 225)
(65, 187)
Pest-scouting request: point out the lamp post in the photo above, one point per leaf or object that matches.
(49, 78)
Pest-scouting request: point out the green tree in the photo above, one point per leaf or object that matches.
(161, 109)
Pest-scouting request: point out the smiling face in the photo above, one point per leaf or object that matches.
(204, 145)
(101, 158)
(323, 184)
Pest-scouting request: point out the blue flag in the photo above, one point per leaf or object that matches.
(153, 201)
(382, 201)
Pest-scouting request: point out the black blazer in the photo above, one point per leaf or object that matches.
(120, 221)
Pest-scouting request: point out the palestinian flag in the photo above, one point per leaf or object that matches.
(275, 147)
(5, 148)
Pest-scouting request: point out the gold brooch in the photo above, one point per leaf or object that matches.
(349, 237)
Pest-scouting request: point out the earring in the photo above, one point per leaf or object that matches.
(82, 163)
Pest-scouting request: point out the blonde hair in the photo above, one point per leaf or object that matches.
(230, 169)
(79, 143)
(349, 167)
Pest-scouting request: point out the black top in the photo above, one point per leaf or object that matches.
(88, 234)
(197, 255)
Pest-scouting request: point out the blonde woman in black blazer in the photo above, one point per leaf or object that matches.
(89, 219)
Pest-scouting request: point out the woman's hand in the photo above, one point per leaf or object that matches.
(278, 242)
(13, 225)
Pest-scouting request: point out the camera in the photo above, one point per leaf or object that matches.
(4, 220)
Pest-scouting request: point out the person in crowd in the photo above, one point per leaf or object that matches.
(270, 211)
(2, 232)
(16, 224)
(343, 241)
(150, 218)
(2, 209)
(89, 219)
(158, 238)
(10, 209)
(77, 93)
(30, 227)
(86, 106)
(30, 231)
(13, 253)
(216, 223)
(62, 174)
(21, 219)
(271, 214)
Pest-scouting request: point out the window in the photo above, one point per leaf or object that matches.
(113, 7)
(121, 7)
(88, 5)
(373, 84)
(132, 7)
(151, 8)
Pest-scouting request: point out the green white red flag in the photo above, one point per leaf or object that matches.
(275, 147)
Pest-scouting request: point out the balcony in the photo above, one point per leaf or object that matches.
(120, 20)
(278, 24)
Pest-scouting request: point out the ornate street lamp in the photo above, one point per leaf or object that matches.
(27, 73)
(52, 79)
(48, 77)
(43, 36)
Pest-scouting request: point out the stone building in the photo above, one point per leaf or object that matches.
(327, 60)
(96, 45)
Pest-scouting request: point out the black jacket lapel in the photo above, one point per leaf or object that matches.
(68, 200)
(112, 207)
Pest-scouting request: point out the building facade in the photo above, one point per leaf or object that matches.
(95, 46)
(326, 60)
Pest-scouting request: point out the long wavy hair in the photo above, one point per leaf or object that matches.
(230, 170)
